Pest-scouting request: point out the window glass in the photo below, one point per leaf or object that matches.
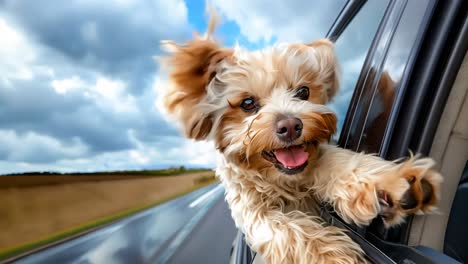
(391, 80)
(352, 48)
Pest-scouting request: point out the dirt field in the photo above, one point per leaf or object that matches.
(29, 212)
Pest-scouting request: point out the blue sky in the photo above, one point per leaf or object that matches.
(79, 87)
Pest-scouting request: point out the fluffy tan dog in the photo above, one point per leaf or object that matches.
(266, 113)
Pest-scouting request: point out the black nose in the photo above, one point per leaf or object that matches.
(288, 128)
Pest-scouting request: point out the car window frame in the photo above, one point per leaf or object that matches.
(365, 92)
(352, 8)
(409, 126)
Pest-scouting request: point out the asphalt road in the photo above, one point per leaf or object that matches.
(216, 231)
(194, 228)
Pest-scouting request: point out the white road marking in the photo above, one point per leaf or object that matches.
(204, 197)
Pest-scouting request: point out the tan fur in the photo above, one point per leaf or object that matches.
(192, 67)
(331, 73)
(278, 212)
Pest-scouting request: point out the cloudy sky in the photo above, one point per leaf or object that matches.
(79, 88)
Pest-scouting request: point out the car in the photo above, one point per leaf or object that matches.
(406, 91)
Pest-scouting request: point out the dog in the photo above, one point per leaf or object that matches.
(266, 113)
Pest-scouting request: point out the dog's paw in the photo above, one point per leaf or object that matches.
(414, 189)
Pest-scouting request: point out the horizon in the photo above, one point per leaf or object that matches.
(179, 168)
(80, 90)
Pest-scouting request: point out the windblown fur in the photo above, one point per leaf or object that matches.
(237, 98)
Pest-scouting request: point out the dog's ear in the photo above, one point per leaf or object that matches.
(191, 68)
(327, 125)
(319, 125)
(329, 73)
(330, 121)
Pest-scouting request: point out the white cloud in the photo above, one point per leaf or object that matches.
(67, 85)
(34, 147)
(19, 56)
(187, 153)
(159, 86)
(201, 153)
(113, 94)
(15, 54)
(263, 20)
(139, 157)
(175, 13)
(109, 88)
(108, 94)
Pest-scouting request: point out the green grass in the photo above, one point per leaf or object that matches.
(15, 250)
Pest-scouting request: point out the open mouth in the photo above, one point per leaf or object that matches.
(290, 160)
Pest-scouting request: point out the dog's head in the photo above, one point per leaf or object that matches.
(265, 110)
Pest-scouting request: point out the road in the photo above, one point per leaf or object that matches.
(194, 228)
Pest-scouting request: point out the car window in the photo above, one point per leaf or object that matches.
(390, 81)
(352, 47)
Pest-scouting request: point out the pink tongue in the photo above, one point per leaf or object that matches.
(291, 157)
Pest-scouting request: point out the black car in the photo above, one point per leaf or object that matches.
(407, 91)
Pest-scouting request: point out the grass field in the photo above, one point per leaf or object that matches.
(48, 178)
(39, 209)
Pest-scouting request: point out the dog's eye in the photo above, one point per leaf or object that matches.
(248, 104)
(302, 93)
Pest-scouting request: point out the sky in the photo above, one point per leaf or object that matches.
(80, 90)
